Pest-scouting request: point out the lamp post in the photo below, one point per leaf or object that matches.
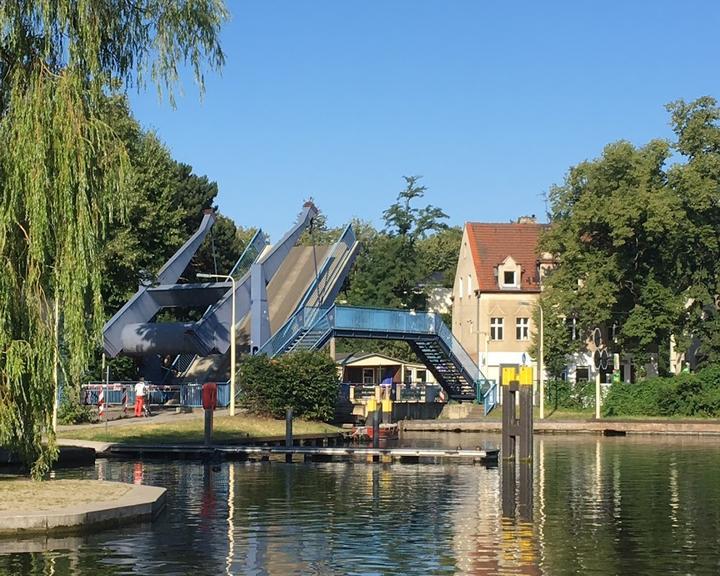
(541, 361)
(540, 358)
(232, 336)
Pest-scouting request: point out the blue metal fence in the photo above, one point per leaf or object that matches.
(191, 395)
(119, 393)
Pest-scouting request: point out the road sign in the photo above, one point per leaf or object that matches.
(596, 359)
(597, 337)
(524, 359)
(603, 359)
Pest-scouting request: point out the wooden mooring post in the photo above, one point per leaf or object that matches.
(289, 433)
(517, 443)
(517, 419)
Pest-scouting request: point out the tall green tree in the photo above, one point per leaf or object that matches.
(615, 228)
(62, 172)
(390, 272)
(637, 237)
(696, 184)
(439, 255)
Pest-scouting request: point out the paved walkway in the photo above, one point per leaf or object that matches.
(116, 419)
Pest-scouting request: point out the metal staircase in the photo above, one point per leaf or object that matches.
(455, 380)
(310, 328)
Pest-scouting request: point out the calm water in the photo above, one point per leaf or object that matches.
(599, 506)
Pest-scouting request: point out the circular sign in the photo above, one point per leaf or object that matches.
(597, 337)
(596, 359)
(603, 359)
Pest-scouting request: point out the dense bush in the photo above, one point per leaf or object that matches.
(305, 380)
(683, 395)
(71, 411)
(569, 395)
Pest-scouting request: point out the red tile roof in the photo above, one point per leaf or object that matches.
(491, 244)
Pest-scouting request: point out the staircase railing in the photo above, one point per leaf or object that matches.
(249, 255)
(319, 327)
(444, 333)
(303, 319)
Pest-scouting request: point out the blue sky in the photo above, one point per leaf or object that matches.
(491, 102)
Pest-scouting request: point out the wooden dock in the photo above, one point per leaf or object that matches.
(309, 453)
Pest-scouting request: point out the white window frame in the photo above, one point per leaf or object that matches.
(497, 326)
(514, 283)
(522, 328)
(372, 376)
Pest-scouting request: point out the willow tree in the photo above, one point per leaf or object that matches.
(63, 172)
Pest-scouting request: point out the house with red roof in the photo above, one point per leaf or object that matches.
(497, 282)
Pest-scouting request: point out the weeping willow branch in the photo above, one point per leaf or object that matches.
(64, 172)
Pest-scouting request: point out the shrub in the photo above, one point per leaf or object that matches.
(569, 395)
(71, 411)
(682, 395)
(305, 380)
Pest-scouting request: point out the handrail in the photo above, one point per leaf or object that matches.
(301, 320)
(328, 262)
(490, 398)
(378, 319)
(319, 316)
(257, 243)
(457, 350)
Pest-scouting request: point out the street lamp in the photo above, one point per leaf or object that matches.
(540, 359)
(232, 335)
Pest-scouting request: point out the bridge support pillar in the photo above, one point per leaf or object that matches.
(259, 315)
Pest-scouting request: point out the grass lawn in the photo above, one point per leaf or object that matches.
(27, 496)
(226, 429)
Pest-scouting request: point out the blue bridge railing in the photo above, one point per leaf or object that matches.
(123, 393)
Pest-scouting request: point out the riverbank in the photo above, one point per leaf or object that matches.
(172, 428)
(60, 506)
(606, 427)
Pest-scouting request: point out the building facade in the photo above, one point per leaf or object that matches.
(497, 284)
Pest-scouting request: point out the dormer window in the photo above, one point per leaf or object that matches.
(508, 274)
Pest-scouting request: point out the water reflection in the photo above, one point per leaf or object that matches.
(585, 505)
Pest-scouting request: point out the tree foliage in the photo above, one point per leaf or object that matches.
(63, 174)
(638, 243)
(390, 272)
